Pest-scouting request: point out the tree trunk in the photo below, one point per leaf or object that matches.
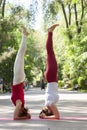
(78, 25)
(64, 12)
(69, 14)
(82, 15)
(0, 2)
(3, 7)
(76, 18)
(66, 20)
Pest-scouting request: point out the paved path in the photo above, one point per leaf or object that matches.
(71, 104)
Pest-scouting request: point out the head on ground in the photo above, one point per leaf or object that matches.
(47, 111)
(24, 112)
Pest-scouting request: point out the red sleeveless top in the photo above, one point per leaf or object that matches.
(18, 93)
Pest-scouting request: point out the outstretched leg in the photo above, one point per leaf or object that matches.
(19, 74)
(51, 68)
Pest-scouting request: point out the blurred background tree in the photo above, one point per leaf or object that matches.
(70, 39)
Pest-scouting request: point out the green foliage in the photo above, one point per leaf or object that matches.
(7, 33)
(74, 1)
(73, 60)
(50, 12)
(6, 67)
(74, 81)
(53, 7)
(7, 54)
(10, 38)
(19, 14)
(82, 82)
(30, 58)
(61, 83)
(71, 53)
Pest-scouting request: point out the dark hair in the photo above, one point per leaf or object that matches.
(46, 112)
(23, 112)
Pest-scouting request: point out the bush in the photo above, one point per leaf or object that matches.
(82, 82)
(61, 83)
(74, 82)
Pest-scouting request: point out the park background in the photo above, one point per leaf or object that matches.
(70, 40)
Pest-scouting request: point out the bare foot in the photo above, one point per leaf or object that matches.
(51, 29)
(24, 30)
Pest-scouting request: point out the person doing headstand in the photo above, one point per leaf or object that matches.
(17, 96)
(50, 110)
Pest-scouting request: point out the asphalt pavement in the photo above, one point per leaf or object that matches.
(72, 106)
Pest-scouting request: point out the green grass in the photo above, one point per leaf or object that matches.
(85, 91)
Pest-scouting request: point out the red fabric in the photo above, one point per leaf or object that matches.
(17, 93)
(51, 68)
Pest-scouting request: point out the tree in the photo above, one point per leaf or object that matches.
(10, 37)
(2, 6)
(75, 13)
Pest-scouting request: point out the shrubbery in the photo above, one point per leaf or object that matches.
(60, 83)
(82, 82)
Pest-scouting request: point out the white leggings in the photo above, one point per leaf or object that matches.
(51, 94)
(19, 74)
